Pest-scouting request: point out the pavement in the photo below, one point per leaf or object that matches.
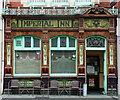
(57, 97)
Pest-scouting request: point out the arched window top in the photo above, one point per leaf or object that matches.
(95, 42)
(63, 43)
(26, 43)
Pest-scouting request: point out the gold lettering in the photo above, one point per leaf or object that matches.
(46, 23)
(65, 23)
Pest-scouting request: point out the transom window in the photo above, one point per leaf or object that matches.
(63, 42)
(27, 56)
(95, 42)
(63, 56)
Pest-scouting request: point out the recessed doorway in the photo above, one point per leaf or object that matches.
(95, 71)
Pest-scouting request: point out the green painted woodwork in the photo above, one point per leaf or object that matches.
(18, 23)
(8, 54)
(67, 44)
(81, 54)
(23, 48)
(105, 60)
(54, 11)
(111, 54)
(96, 23)
(45, 54)
(58, 48)
(105, 72)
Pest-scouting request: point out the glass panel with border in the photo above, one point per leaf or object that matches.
(71, 42)
(27, 41)
(62, 41)
(54, 42)
(63, 61)
(36, 42)
(27, 62)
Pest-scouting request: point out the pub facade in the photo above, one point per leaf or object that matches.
(64, 43)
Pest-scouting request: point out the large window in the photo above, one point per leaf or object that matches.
(27, 56)
(63, 56)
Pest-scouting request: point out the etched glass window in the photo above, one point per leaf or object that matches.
(71, 42)
(95, 42)
(63, 62)
(36, 42)
(54, 42)
(27, 41)
(27, 62)
(62, 41)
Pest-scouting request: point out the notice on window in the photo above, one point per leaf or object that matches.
(90, 69)
(91, 82)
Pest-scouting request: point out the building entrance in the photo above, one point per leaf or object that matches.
(95, 71)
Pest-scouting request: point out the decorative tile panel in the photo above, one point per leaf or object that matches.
(81, 54)
(8, 54)
(96, 23)
(111, 54)
(44, 54)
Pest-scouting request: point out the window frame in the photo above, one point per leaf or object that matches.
(95, 48)
(67, 48)
(23, 48)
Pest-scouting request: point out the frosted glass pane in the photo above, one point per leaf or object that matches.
(27, 62)
(63, 61)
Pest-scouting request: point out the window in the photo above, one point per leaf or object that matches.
(27, 41)
(83, 2)
(36, 2)
(60, 3)
(36, 42)
(95, 43)
(27, 56)
(27, 62)
(71, 42)
(62, 41)
(63, 56)
(54, 42)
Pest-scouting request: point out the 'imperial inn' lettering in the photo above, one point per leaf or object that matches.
(43, 23)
